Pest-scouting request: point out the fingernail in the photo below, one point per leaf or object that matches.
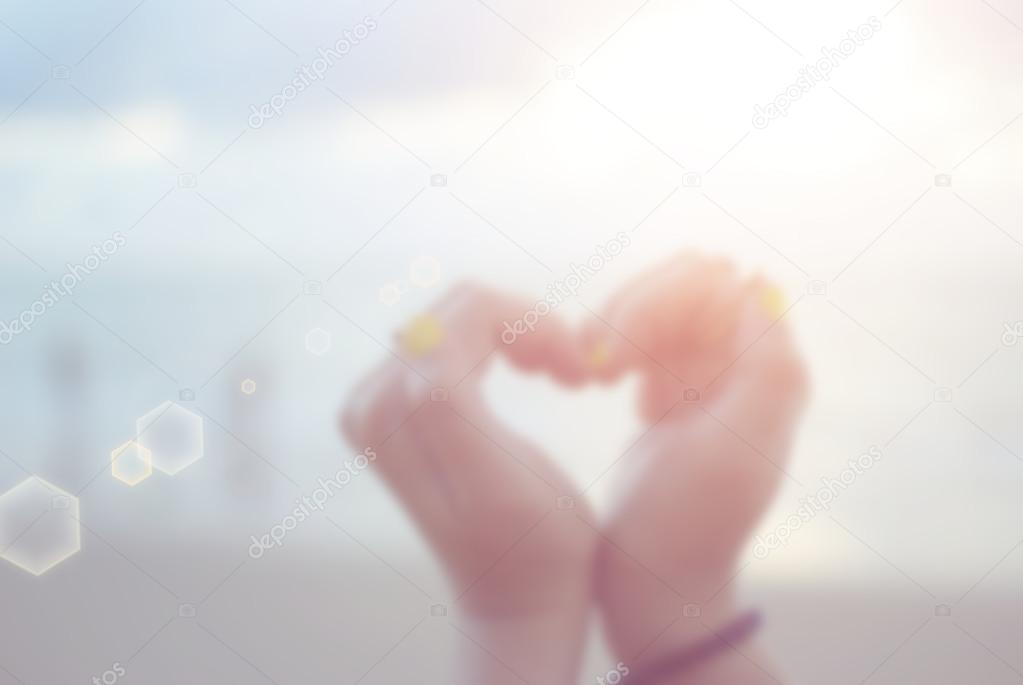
(424, 334)
(599, 355)
(773, 301)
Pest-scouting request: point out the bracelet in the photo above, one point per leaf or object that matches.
(694, 655)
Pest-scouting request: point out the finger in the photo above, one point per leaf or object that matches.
(652, 316)
(767, 384)
(414, 472)
(683, 262)
(661, 322)
(703, 346)
(606, 344)
(715, 321)
(380, 415)
(481, 461)
(697, 349)
(665, 317)
(610, 350)
(473, 322)
(379, 404)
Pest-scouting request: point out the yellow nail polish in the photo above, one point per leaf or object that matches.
(423, 335)
(599, 355)
(773, 300)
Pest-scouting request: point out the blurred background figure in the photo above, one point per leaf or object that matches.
(71, 396)
(254, 402)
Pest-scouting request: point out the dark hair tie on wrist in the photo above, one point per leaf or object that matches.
(696, 654)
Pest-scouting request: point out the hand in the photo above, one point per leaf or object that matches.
(704, 473)
(484, 498)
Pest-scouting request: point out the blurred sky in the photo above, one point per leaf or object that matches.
(539, 170)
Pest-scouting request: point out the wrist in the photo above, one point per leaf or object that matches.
(651, 612)
(703, 660)
(541, 649)
(693, 622)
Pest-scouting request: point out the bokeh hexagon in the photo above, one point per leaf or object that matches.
(131, 463)
(39, 525)
(424, 271)
(390, 294)
(318, 341)
(173, 435)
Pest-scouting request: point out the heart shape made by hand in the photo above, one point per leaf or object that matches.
(721, 389)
